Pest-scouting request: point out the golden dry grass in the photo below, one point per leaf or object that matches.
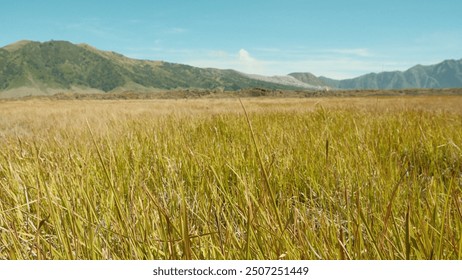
(21, 115)
(324, 178)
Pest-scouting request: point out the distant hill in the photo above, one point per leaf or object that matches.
(447, 74)
(310, 79)
(34, 68)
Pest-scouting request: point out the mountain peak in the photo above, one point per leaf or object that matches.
(17, 45)
(309, 78)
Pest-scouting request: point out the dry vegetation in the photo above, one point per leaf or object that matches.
(315, 178)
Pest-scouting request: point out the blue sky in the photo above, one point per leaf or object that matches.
(338, 39)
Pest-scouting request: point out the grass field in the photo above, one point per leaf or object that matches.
(313, 178)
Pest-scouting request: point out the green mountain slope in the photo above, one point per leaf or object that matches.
(63, 65)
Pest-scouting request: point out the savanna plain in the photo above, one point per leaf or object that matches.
(251, 178)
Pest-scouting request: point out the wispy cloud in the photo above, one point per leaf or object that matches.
(334, 67)
(219, 54)
(92, 26)
(361, 52)
(175, 30)
(333, 63)
(304, 51)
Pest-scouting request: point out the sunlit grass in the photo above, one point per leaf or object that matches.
(295, 179)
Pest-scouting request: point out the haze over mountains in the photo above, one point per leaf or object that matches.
(34, 68)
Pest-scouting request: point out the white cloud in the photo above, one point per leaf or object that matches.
(248, 63)
(241, 61)
(245, 57)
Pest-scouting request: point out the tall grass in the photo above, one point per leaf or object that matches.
(277, 181)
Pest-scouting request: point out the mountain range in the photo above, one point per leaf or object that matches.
(35, 68)
(447, 74)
